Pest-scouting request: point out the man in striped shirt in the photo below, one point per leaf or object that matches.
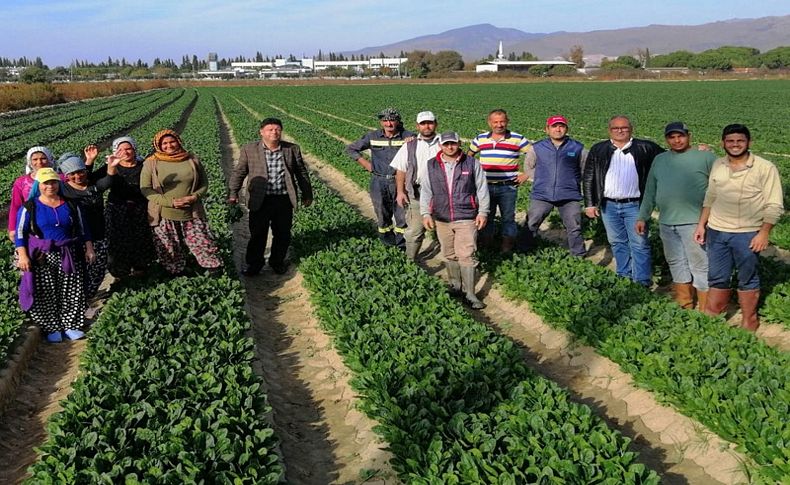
(499, 151)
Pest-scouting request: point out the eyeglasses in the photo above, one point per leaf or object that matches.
(620, 128)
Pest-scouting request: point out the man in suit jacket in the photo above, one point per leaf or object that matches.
(274, 168)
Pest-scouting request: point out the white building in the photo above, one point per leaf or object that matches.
(502, 64)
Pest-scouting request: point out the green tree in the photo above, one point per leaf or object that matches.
(446, 61)
(34, 74)
(776, 58)
(673, 59)
(710, 61)
(418, 63)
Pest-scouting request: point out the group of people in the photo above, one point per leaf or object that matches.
(67, 238)
(715, 214)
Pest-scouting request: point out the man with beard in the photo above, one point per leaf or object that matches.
(676, 186)
(557, 162)
(410, 164)
(455, 202)
(742, 204)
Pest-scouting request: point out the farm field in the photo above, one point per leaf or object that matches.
(452, 395)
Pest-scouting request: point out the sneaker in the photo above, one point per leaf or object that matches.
(74, 334)
(54, 337)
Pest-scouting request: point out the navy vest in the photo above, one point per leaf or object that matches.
(557, 172)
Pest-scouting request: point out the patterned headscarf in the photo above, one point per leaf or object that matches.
(164, 157)
(47, 153)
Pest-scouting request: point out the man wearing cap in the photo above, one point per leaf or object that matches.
(383, 144)
(499, 151)
(454, 200)
(614, 180)
(742, 204)
(276, 174)
(557, 162)
(411, 163)
(676, 186)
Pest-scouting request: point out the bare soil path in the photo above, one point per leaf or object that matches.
(324, 438)
(50, 372)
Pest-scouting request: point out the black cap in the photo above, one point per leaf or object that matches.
(676, 127)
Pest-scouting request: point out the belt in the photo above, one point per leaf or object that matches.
(388, 177)
(623, 201)
(502, 182)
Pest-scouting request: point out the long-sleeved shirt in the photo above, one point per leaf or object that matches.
(176, 179)
(55, 223)
(676, 185)
(483, 199)
(742, 201)
(382, 149)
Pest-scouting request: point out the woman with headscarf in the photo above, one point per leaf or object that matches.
(88, 191)
(51, 239)
(37, 157)
(174, 181)
(129, 240)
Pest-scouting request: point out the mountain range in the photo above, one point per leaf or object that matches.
(479, 41)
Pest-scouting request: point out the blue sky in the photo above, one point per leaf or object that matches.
(60, 31)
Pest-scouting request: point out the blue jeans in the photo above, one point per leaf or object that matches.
(504, 197)
(631, 251)
(728, 251)
(688, 261)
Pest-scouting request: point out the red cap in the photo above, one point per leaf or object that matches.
(553, 120)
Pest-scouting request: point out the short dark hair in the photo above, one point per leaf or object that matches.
(272, 121)
(736, 128)
(498, 111)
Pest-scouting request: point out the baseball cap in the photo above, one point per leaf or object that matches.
(46, 174)
(448, 136)
(676, 126)
(425, 116)
(390, 114)
(553, 120)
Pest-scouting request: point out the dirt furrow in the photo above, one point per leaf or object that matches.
(679, 448)
(324, 438)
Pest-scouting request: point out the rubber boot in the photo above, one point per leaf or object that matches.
(683, 293)
(702, 300)
(748, 299)
(411, 250)
(468, 277)
(508, 242)
(717, 301)
(454, 277)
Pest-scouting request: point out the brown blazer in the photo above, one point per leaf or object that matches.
(252, 165)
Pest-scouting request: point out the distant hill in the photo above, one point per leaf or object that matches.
(478, 41)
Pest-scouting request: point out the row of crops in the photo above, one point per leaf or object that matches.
(168, 387)
(720, 376)
(168, 393)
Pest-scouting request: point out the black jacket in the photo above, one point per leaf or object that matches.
(598, 159)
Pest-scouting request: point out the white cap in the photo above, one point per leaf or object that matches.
(425, 116)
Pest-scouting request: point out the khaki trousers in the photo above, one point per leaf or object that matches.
(459, 241)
